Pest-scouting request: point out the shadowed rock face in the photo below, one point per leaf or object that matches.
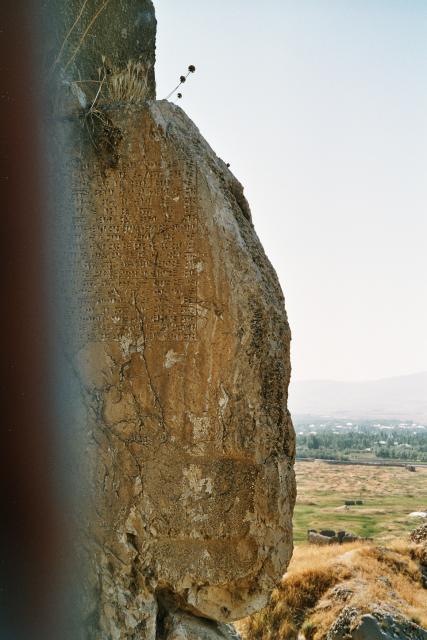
(84, 36)
(182, 355)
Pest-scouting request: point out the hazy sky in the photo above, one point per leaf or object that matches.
(320, 106)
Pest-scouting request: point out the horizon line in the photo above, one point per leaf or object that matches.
(364, 380)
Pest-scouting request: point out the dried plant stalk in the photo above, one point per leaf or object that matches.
(128, 85)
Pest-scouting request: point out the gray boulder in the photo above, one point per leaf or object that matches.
(379, 624)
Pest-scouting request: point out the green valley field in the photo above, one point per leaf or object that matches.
(389, 495)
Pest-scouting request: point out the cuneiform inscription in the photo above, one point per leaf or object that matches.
(135, 253)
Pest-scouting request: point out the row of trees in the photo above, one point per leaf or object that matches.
(397, 444)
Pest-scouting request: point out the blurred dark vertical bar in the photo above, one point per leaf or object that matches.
(30, 522)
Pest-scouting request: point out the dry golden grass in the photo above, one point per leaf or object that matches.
(321, 581)
(356, 480)
(397, 564)
(307, 557)
(128, 85)
(114, 85)
(309, 576)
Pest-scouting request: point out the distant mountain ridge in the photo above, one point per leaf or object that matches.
(400, 397)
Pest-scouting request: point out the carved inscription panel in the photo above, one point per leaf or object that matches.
(135, 253)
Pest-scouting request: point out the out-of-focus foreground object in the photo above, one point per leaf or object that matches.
(30, 525)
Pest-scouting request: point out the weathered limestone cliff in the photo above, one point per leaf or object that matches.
(182, 352)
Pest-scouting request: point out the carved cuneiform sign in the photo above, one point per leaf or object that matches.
(136, 229)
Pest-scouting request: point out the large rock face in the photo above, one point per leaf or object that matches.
(182, 355)
(184, 358)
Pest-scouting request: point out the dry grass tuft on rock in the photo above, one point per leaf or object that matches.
(117, 86)
(129, 85)
(311, 574)
(324, 584)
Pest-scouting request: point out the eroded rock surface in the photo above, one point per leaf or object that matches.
(381, 624)
(181, 352)
(180, 625)
(184, 362)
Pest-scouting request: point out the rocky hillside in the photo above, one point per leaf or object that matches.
(358, 591)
